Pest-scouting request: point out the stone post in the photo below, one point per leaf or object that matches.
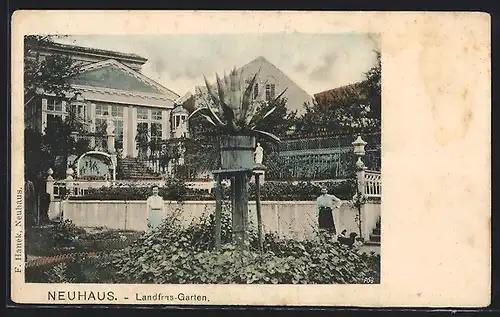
(50, 184)
(359, 151)
(69, 181)
(111, 143)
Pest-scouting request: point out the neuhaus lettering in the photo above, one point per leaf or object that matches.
(19, 208)
(81, 296)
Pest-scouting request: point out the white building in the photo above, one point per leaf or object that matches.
(110, 84)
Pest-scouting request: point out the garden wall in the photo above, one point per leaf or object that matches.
(294, 219)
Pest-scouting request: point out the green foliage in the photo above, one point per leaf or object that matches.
(65, 237)
(79, 269)
(173, 254)
(142, 139)
(354, 108)
(176, 190)
(65, 233)
(52, 74)
(59, 274)
(280, 121)
(231, 108)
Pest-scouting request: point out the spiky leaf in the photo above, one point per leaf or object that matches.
(246, 101)
(267, 135)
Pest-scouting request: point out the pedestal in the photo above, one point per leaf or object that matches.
(239, 193)
(111, 143)
(240, 210)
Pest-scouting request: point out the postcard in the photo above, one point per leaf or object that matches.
(269, 158)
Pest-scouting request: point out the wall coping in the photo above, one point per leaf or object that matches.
(204, 202)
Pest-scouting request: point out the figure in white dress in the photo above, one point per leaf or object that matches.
(259, 154)
(155, 209)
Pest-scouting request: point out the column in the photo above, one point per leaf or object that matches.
(44, 114)
(92, 117)
(65, 109)
(125, 126)
(132, 121)
(165, 124)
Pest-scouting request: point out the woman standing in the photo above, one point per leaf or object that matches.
(324, 211)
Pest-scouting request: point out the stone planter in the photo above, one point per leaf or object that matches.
(237, 152)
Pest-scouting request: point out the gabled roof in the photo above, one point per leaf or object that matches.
(111, 74)
(262, 60)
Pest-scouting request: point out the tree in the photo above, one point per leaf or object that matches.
(50, 75)
(357, 106)
(280, 121)
(142, 140)
(372, 89)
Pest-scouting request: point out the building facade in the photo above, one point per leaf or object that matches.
(109, 86)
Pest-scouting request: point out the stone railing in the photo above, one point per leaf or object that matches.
(373, 184)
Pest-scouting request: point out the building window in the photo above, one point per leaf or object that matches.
(117, 111)
(156, 115)
(101, 110)
(100, 125)
(118, 134)
(54, 104)
(255, 91)
(270, 92)
(142, 114)
(53, 119)
(156, 131)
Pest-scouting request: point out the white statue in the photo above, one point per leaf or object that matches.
(182, 151)
(110, 126)
(259, 154)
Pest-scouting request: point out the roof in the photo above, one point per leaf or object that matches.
(115, 75)
(91, 51)
(336, 93)
(179, 109)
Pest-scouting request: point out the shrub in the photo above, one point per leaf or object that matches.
(65, 233)
(66, 237)
(80, 269)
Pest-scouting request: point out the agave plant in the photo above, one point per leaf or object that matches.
(234, 112)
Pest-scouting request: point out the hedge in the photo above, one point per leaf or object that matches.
(270, 191)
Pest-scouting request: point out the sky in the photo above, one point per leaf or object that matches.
(316, 62)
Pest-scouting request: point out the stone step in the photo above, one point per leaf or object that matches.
(375, 237)
(134, 169)
(372, 243)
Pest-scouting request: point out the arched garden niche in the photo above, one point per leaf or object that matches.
(96, 165)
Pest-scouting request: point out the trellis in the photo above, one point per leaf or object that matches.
(317, 158)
